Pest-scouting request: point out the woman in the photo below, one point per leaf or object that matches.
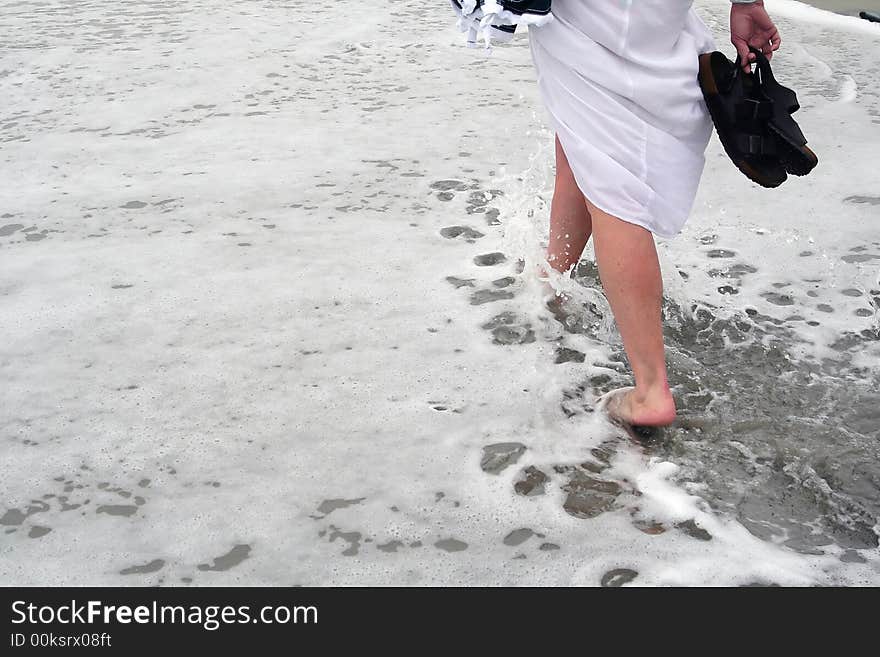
(619, 79)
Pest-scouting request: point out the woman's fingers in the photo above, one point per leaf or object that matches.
(756, 30)
(766, 41)
(742, 48)
(771, 44)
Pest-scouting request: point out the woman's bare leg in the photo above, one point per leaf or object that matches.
(570, 224)
(630, 273)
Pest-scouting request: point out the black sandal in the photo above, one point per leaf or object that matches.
(795, 155)
(741, 111)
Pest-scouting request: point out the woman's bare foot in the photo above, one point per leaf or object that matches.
(556, 298)
(542, 271)
(633, 407)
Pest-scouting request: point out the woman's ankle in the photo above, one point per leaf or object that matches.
(654, 391)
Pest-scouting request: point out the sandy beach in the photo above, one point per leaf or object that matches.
(267, 316)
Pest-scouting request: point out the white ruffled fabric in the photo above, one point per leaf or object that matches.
(477, 18)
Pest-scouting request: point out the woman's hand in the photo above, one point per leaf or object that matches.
(750, 25)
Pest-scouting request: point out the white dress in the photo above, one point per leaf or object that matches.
(619, 80)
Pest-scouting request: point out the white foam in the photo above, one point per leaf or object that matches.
(803, 12)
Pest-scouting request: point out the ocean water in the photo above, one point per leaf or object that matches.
(265, 318)
(851, 7)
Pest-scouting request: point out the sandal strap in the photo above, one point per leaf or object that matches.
(752, 109)
(756, 144)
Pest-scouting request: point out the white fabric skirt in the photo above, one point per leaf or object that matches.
(619, 80)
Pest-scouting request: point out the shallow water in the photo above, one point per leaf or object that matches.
(265, 318)
(851, 7)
